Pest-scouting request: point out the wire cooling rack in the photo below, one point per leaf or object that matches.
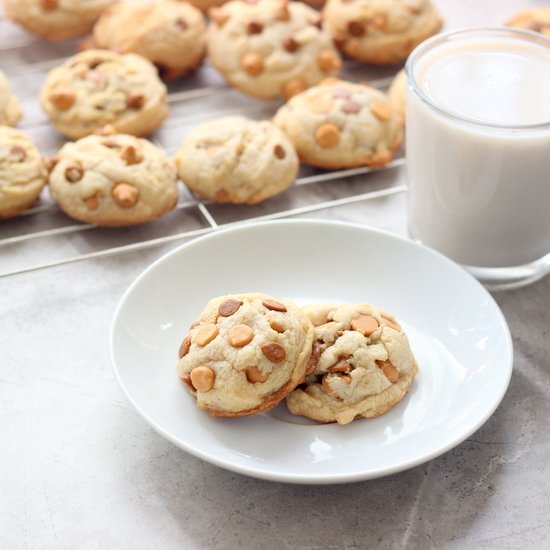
(44, 237)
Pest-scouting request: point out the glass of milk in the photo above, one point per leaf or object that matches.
(478, 151)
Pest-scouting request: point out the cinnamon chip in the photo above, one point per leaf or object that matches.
(18, 153)
(290, 45)
(356, 28)
(229, 307)
(274, 352)
(254, 27)
(184, 347)
(274, 305)
(135, 101)
(74, 173)
(279, 152)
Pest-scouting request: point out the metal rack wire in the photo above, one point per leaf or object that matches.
(182, 100)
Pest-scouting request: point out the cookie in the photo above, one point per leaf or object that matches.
(380, 31)
(270, 48)
(245, 353)
(56, 19)
(97, 88)
(536, 19)
(363, 365)
(397, 94)
(114, 180)
(237, 160)
(22, 172)
(172, 35)
(341, 125)
(10, 109)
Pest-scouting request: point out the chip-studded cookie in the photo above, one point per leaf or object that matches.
(10, 109)
(270, 48)
(237, 160)
(397, 94)
(536, 19)
(22, 172)
(363, 364)
(96, 88)
(341, 125)
(56, 19)
(172, 35)
(245, 353)
(380, 31)
(114, 180)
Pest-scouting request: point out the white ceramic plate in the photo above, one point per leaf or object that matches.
(456, 330)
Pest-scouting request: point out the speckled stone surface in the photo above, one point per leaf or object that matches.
(79, 469)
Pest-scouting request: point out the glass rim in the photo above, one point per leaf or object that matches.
(422, 48)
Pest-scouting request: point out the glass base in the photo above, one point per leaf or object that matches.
(506, 278)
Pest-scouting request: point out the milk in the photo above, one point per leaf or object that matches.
(480, 188)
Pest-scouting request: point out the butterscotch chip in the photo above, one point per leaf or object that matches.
(290, 45)
(62, 98)
(184, 347)
(293, 87)
(356, 28)
(125, 194)
(327, 136)
(389, 370)
(279, 152)
(329, 61)
(252, 63)
(135, 101)
(274, 352)
(380, 110)
(365, 324)
(229, 307)
(203, 378)
(276, 325)
(254, 27)
(254, 375)
(274, 305)
(92, 203)
(18, 153)
(74, 173)
(205, 334)
(240, 335)
(130, 155)
(351, 107)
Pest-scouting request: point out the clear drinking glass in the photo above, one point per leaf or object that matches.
(479, 191)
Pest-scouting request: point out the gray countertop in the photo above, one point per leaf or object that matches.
(80, 469)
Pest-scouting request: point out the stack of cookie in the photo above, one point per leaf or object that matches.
(247, 352)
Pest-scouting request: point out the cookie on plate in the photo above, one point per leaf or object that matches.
(22, 172)
(397, 94)
(270, 48)
(237, 160)
(10, 109)
(245, 353)
(380, 31)
(56, 19)
(172, 35)
(363, 365)
(536, 19)
(114, 180)
(96, 88)
(341, 125)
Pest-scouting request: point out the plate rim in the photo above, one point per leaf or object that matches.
(314, 479)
